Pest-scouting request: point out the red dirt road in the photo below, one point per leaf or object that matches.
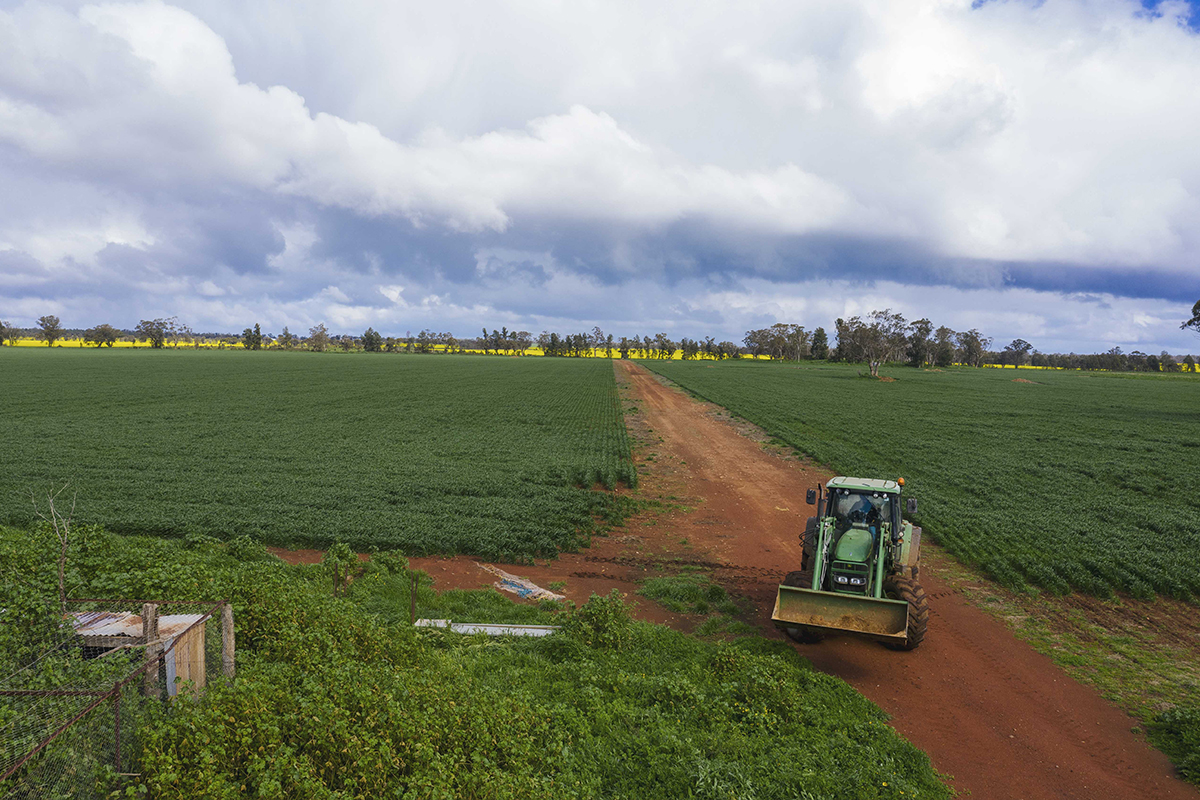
(995, 716)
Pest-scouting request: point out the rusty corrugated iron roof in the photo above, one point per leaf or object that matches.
(125, 623)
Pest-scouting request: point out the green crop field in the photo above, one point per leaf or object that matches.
(1088, 481)
(491, 456)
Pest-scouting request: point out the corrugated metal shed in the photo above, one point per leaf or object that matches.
(103, 631)
(125, 623)
(106, 623)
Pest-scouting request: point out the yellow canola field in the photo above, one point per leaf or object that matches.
(30, 341)
(209, 344)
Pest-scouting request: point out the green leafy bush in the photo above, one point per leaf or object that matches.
(1177, 733)
(247, 548)
(602, 622)
(391, 562)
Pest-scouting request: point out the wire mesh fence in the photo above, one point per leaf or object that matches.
(75, 687)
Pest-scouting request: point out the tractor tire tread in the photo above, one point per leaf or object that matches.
(809, 539)
(798, 578)
(908, 589)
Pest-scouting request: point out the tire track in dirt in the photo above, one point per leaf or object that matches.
(990, 711)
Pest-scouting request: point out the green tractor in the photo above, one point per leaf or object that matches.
(858, 572)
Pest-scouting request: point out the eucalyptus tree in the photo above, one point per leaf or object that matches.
(51, 329)
(1194, 322)
(104, 335)
(318, 338)
(156, 331)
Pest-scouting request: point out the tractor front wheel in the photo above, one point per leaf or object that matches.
(907, 589)
(799, 633)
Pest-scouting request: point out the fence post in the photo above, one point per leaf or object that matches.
(117, 728)
(227, 643)
(149, 622)
(153, 648)
(412, 601)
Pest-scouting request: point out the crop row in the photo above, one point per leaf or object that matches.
(496, 457)
(1080, 481)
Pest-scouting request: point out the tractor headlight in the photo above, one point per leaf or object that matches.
(843, 579)
(858, 581)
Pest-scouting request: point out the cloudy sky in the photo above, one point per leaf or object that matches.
(1025, 168)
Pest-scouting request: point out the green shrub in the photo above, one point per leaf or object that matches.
(391, 562)
(247, 548)
(602, 622)
(1177, 733)
(199, 541)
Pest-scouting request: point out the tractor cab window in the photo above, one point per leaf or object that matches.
(868, 509)
(882, 505)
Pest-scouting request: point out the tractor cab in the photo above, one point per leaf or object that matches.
(861, 517)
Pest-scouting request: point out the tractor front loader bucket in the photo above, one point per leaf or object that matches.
(882, 618)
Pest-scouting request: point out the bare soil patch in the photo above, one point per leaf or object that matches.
(1142, 655)
(305, 556)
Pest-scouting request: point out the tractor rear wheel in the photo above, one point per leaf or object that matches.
(808, 543)
(802, 579)
(899, 587)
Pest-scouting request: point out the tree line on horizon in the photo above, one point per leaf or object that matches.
(881, 337)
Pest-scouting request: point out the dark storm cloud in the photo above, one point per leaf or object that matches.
(392, 246)
(687, 251)
(1150, 284)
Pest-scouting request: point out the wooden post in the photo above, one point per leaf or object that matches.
(228, 648)
(149, 622)
(153, 648)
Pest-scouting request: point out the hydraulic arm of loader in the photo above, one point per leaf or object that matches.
(813, 608)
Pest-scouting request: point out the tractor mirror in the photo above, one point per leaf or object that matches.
(912, 505)
(811, 498)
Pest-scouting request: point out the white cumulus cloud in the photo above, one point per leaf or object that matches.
(203, 151)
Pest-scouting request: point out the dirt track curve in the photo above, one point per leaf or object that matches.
(997, 717)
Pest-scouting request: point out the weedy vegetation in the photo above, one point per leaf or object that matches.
(1177, 733)
(689, 593)
(338, 696)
